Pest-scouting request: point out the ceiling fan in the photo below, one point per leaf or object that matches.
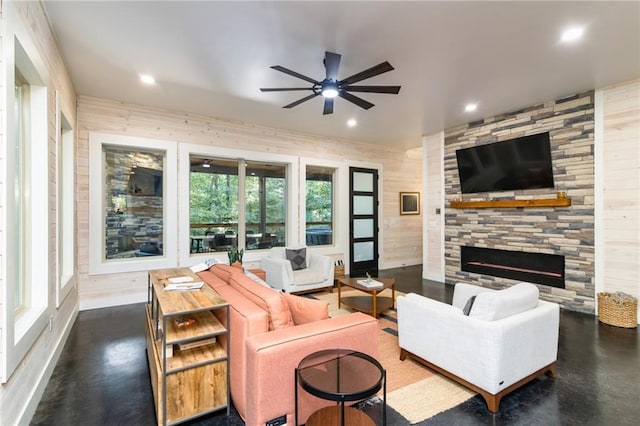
(331, 87)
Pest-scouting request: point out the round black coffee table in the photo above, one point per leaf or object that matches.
(341, 375)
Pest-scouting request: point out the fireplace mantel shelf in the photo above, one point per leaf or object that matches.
(485, 204)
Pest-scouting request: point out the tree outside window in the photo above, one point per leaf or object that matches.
(319, 205)
(215, 206)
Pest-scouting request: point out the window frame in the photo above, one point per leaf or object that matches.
(340, 213)
(65, 204)
(186, 150)
(21, 328)
(305, 182)
(97, 262)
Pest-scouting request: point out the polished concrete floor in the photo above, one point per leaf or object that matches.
(102, 377)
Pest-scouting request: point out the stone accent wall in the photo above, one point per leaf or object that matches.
(132, 220)
(567, 231)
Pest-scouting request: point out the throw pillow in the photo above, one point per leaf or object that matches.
(304, 310)
(468, 305)
(495, 305)
(297, 258)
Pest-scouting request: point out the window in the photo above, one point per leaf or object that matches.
(319, 205)
(266, 205)
(22, 90)
(131, 192)
(218, 188)
(66, 207)
(213, 204)
(25, 178)
(134, 206)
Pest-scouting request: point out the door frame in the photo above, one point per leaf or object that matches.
(380, 217)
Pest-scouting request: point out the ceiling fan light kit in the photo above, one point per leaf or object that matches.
(331, 87)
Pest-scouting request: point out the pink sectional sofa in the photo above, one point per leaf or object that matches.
(270, 333)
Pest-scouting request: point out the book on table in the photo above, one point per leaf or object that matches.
(369, 283)
(184, 286)
(196, 344)
(180, 279)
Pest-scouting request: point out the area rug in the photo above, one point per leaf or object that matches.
(413, 390)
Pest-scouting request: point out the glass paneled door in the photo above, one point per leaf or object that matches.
(363, 221)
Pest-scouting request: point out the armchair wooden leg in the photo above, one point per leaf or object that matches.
(551, 372)
(493, 401)
(403, 354)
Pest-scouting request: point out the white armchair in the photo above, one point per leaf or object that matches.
(280, 274)
(510, 340)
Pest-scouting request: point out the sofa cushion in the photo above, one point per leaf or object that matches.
(307, 276)
(211, 279)
(495, 305)
(256, 278)
(297, 257)
(268, 299)
(223, 271)
(304, 310)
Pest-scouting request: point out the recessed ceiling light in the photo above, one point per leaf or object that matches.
(572, 34)
(352, 122)
(147, 79)
(470, 107)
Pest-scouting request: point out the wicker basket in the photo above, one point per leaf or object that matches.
(338, 272)
(619, 314)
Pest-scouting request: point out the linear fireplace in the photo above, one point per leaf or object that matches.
(538, 268)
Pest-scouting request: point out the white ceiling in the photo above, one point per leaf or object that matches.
(212, 57)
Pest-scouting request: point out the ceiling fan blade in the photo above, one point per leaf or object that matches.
(294, 74)
(283, 89)
(373, 89)
(299, 101)
(354, 99)
(332, 63)
(368, 73)
(328, 106)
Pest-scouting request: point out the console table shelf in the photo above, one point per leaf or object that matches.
(486, 204)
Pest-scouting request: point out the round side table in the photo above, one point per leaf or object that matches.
(341, 375)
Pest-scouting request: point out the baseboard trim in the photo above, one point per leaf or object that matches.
(400, 264)
(87, 303)
(38, 390)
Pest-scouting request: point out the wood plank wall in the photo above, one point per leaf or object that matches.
(20, 395)
(401, 171)
(621, 188)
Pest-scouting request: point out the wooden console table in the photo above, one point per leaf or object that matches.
(187, 333)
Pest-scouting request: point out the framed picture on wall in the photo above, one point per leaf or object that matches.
(409, 203)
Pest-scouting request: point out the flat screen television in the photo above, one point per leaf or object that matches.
(521, 163)
(145, 182)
